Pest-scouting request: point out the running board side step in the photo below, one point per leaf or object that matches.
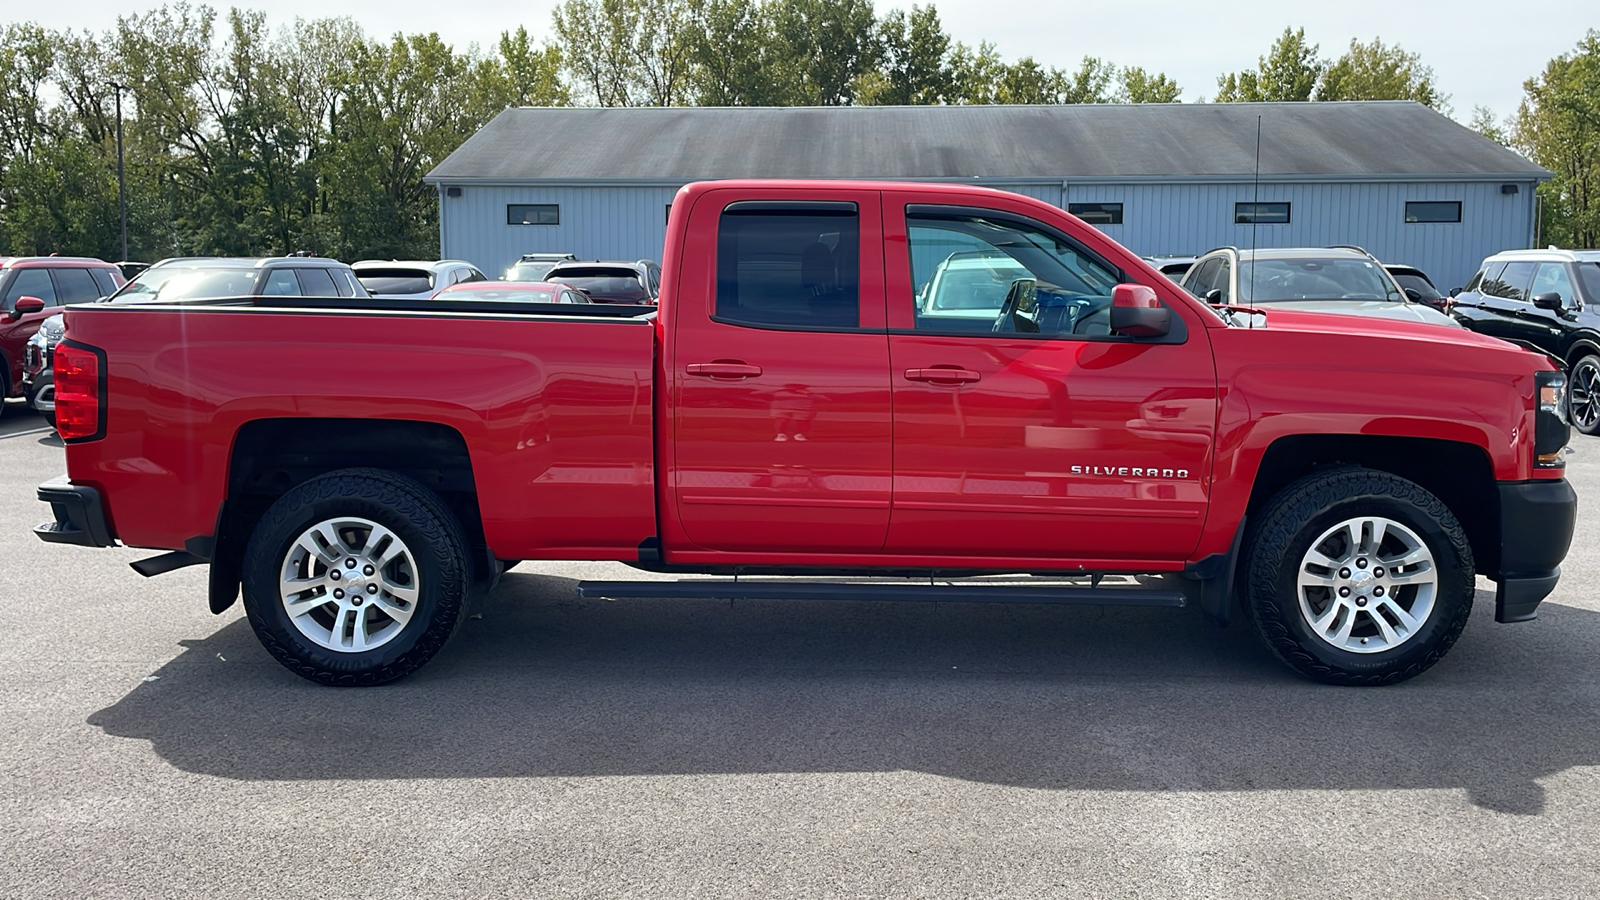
(1074, 594)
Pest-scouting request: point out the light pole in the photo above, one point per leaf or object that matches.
(122, 196)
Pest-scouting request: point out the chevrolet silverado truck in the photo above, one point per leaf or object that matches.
(849, 390)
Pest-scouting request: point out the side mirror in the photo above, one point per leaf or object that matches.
(1455, 292)
(1213, 296)
(1551, 301)
(1414, 295)
(1136, 312)
(26, 305)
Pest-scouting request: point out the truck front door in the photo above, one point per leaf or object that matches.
(1023, 426)
(779, 365)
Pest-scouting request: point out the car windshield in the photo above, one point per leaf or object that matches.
(605, 284)
(1419, 284)
(504, 295)
(190, 283)
(1281, 280)
(396, 280)
(529, 271)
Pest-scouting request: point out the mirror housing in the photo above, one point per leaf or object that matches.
(25, 305)
(1455, 292)
(1213, 297)
(1550, 301)
(1136, 312)
(1414, 295)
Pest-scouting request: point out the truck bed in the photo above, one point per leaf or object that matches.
(554, 406)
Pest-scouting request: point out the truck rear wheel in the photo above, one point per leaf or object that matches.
(356, 577)
(1358, 577)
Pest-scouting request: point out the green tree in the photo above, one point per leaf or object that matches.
(1376, 71)
(730, 54)
(1557, 125)
(1138, 86)
(1289, 72)
(917, 68)
(634, 52)
(1484, 122)
(821, 48)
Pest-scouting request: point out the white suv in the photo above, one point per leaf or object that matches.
(395, 279)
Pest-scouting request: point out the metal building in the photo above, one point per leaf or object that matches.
(1397, 178)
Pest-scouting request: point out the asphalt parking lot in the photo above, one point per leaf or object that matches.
(654, 749)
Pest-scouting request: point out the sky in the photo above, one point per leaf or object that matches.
(1193, 42)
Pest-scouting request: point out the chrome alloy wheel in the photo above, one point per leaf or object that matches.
(1583, 395)
(1367, 585)
(349, 584)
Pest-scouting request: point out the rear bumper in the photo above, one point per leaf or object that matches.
(80, 518)
(1537, 519)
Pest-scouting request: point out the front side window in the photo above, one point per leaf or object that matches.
(1589, 276)
(316, 283)
(75, 286)
(104, 281)
(1203, 278)
(979, 273)
(31, 283)
(794, 265)
(281, 283)
(1552, 278)
(1261, 213)
(533, 214)
(1510, 282)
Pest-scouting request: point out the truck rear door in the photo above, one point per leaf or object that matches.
(1027, 429)
(779, 365)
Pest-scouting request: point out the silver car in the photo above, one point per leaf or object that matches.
(401, 279)
(1345, 280)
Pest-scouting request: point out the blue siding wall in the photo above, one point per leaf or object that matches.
(1158, 218)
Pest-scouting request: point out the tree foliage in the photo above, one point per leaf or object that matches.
(1375, 71)
(1558, 126)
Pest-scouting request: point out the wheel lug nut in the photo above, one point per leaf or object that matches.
(1361, 563)
(338, 594)
(1345, 572)
(356, 602)
(370, 570)
(334, 574)
(372, 589)
(1361, 601)
(1378, 571)
(1344, 592)
(1377, 592)
(350, 564)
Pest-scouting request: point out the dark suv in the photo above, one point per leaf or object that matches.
(51, 281)
(611, 282)
(1548, 300)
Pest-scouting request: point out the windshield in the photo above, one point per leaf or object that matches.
(1278, 280)
(1419, 284)
(190, 283)
(396, 281)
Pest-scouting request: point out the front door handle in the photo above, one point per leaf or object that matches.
(943, 375)
(723, 368)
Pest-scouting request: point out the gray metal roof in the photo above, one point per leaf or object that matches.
(1201, 141)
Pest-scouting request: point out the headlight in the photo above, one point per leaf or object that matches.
(1550, 429)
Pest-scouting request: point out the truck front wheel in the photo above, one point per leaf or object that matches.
(356, 577)
(1358, 577)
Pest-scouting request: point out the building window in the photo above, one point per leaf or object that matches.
(1261, 213)
(1423, 211)
(1097, 213)
(533, 214)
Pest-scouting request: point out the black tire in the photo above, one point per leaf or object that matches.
(1583, 395)
(413, 514)
(1283, 534)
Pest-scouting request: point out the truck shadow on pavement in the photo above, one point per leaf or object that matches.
(544, 684)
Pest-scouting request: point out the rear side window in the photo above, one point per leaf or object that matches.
(31, 283)
(1510, 282)
(316, 283)
(281, 283)
(75, 286)
(104, 281)
(789, 265)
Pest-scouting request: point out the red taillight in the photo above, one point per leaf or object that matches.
(77, 377)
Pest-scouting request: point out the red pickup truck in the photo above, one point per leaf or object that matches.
(917, 391)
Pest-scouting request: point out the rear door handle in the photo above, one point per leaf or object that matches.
(943, 376)
(723, 369)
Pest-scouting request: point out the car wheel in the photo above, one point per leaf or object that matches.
(356, 577)
(1358, 577)
(1583, 395)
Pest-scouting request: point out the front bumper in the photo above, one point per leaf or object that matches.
(1537, 519)
(80, 516)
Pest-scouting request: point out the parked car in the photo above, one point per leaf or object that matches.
(38, 378)
(1417, 285)
(30, 289)
(1343, 280)
(413, 279)
(131, 269)
(1547, 300)
(636, 282)
(786, 412)
(514, 292)
(202, 277)
(534, 266)
(1174, 267)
